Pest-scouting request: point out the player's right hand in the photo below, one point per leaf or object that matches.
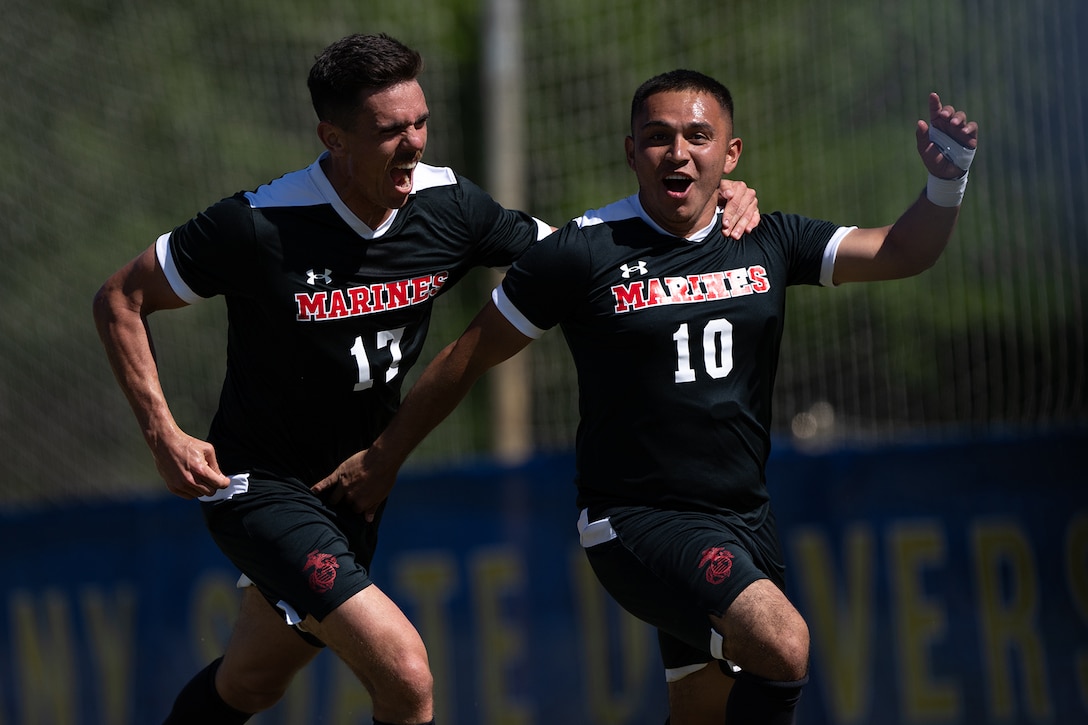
(188, 465)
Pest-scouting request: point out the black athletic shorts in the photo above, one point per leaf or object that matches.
(673, 569)
(303, 556)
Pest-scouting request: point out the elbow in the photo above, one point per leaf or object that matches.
(911, 268)
(108, 305)
(924, 265)
(931, 256)
(102, 312)
(100, 305)
(916, 255)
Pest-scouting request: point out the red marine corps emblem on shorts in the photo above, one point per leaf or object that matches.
(718, 563)
(322, 569)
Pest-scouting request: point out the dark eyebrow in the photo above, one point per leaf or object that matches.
(394, 127)
(699, 125)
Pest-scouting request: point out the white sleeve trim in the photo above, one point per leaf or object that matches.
(543, 228)
(166, 261)
(514, 316)
(827, 268)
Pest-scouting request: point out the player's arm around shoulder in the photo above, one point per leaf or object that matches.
(913, 244)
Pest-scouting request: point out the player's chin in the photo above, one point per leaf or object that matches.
(398, 198)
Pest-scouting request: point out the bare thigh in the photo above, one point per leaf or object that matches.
(262, 658)
(764, 634)
(699, 698)
(374, 638)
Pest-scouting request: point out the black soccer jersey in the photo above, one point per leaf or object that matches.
(326, 315)
(675, 342)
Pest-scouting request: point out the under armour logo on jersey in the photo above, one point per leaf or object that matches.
(313, 277)
(628, 270)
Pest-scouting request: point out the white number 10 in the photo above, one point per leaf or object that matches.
(717, 351)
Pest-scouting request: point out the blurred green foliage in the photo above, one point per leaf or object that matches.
(122, 119)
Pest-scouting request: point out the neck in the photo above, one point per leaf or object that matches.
(340, 179)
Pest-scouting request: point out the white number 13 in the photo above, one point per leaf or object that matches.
(717, 351)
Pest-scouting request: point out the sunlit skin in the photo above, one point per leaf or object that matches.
(681, 145)
(371, 164)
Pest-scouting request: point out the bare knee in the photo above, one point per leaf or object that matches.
(415, 683)
(764, 634)
(783, 657)
(251, 690)
(403, 689)
(792, 650)
(262, 657)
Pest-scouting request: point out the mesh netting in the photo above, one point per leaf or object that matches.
(123, 119)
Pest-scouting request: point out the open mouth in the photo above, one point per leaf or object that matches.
(402, 176)
(677, 184)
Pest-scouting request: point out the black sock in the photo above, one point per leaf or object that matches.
(762, 702)
(199, 702)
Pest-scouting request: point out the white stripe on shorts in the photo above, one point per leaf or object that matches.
(593, 533)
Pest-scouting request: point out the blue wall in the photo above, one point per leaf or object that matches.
(942, 584)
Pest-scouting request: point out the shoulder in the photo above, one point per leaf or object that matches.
(618, 211)
(442, 184)
(433, 177)
(599, 236)
(439, 186)
(594, 228)
(454, 203)
(806, 246)
(297, 188)
(223, 222)
(784, 224)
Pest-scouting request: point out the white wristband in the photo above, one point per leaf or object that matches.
(946, 192)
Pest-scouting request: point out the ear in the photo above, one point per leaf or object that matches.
(331, 137)
(629, 150)
(733, 155)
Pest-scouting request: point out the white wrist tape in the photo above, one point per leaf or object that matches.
(946, 192)
(959, 155)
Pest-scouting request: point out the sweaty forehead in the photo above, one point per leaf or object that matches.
(398, 104)
(680, 109)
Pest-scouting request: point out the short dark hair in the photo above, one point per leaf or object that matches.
(682, 80)
(352, 65)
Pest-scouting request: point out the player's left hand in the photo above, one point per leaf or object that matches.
(353, 485)
(955, 124)
(741, 213)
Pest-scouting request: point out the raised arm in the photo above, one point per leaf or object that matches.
(917, 239)
(365, 479)
(121, 309)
